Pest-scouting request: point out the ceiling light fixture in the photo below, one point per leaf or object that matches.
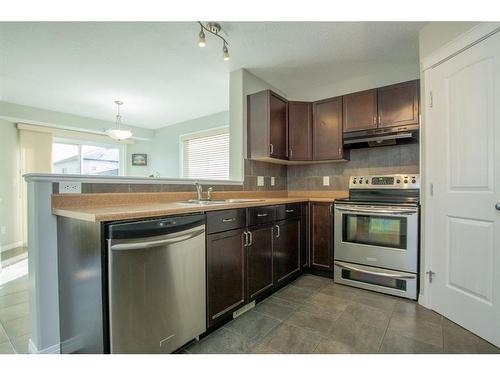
(213, 28)
(117, 132)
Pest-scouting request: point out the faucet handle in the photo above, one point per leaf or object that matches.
(209, 193)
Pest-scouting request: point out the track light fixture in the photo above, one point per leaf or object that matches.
(213, 28)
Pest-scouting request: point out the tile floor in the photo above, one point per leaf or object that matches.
(314, 315)
(14, 323)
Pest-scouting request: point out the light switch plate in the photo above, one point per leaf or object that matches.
(260, 180)
(326, 180)
(70, 187)
(273, 181)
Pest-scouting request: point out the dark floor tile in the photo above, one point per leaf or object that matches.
(328, 302)
(331, 346)
(252, 326)
(312, 282)
(394, 343)
(276, 308)
(262, 349)
(294, 294)
(221, 341)
(374, 299)
(313, 318)
(368, 315)
(340, 291)
(362, 338)
(412, 327)
(459, 340)
(289, 339)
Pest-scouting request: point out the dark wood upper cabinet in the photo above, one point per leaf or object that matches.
(327, 129)
(259, 261)
(321, 242)
(225, 274)
(267, 125)
(398, 104)
(287, 249)
(300, 131)
(360, 111)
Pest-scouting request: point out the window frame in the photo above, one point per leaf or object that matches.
(202, 134)
(80, 142)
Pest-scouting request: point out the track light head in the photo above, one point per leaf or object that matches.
(201, 40)
(225, 52)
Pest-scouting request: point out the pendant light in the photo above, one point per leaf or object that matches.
(117, 132)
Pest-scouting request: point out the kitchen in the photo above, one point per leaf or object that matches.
(275, 217)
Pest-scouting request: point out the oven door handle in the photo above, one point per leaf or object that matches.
(386, 274)
(377, 211)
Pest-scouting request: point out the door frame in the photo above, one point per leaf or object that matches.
(449, 50)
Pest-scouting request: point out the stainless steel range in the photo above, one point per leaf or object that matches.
(376, 234)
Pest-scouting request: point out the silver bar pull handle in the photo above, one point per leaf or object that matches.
(250, 239)
(386, 274)
(271, 149)
(229, 220)
(149, 244)
(245, 239)
(289, 210)
(262, 215)
(277, 231)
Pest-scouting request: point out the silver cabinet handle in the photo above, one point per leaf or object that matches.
(277, 231)
(289, 210)
(229, 220)
(250, 238)
(245, 239)
(386, 274)
(497, 206)
(376, 210)
(271, 148)
(165, 241)
(331, 209)
(262, 215)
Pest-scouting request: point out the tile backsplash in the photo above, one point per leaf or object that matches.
(377, 160)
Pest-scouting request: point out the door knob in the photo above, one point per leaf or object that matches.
(497, 206)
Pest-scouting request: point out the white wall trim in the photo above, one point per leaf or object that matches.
(11, 246)
(462, 42)
(52, 177)
(54, 349)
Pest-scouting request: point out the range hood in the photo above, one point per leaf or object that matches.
(382, 136)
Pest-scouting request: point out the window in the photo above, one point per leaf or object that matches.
(206, 154)
(74, 157)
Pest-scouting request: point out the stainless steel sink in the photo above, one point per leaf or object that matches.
(206, 202)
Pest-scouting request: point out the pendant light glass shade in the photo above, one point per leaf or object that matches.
(118, 132)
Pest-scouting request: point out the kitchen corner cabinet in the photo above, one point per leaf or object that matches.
(360, 111)
(321, 242)
(398, 104)
(327, 130)
(267, 123)
(300, 124)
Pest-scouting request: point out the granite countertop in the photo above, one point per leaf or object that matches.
(101, 213)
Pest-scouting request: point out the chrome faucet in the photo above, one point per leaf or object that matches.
(209, 193)
(199, 190)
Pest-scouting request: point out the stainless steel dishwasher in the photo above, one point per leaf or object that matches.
(156, 275)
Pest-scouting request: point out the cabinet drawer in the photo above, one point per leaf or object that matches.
(287, 211)
(260, 215)
(219, 221)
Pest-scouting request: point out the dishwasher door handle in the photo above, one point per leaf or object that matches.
(186, 235)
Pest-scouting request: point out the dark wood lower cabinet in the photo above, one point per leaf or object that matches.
(321, 242)
(259, 261)
(225, 274)
(287, 249)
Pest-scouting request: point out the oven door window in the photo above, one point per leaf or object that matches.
(385, 231)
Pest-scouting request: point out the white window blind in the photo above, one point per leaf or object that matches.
(206, 154)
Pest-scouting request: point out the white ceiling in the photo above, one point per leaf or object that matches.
(162, 75)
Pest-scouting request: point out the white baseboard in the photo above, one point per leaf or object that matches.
(54, 349)
(11, 246)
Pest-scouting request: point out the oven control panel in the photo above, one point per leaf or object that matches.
(393, 181)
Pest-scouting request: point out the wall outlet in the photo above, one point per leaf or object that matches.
(260, 180)
(273, 181)
(326, 180)
(70, 187)
(3, 230)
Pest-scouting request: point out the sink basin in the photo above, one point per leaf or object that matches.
(219, 201)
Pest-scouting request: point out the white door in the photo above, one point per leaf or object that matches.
(464, 168)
